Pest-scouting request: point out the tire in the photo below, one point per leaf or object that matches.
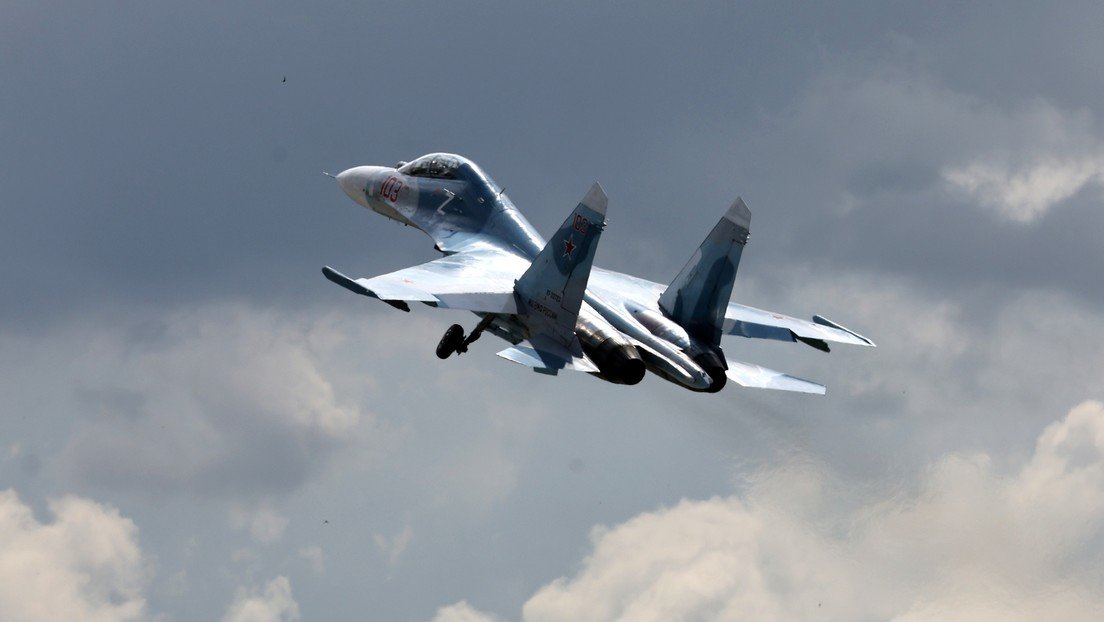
(450, 341)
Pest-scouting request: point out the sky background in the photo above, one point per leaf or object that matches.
(196, 425)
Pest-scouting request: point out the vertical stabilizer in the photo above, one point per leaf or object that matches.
(698, 296)
(550, 293)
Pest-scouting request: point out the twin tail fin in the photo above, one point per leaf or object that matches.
(698, 297)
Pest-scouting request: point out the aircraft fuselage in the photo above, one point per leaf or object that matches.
(458, 205)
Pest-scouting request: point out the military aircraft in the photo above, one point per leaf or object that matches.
(546, 299)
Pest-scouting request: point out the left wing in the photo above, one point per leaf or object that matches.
(480, 280)
(751, 322)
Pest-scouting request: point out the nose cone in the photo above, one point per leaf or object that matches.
(353, 181)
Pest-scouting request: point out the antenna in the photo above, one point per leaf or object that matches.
(329, 174)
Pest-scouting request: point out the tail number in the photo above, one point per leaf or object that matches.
(581, 223)
(390, 189)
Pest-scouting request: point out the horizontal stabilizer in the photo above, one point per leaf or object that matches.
(548, 358)
(756, 376)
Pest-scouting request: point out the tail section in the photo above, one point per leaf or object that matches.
(550, 293)
(698, 296)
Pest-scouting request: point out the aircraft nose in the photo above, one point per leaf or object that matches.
(353, 183)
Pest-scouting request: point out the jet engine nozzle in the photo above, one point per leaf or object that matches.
(713, 365)
(619, 363)
(618, 360)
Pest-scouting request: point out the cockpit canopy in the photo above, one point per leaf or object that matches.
(434, 165)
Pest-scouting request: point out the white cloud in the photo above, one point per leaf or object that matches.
(462, 612)
(1026, 193)
(967, 543)
(273, 603)
(875, 133)
(950, 371)
(84, 565)
(224, 398)
(393, 547)
(264, 523)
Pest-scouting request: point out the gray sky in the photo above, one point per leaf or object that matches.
(194, 424)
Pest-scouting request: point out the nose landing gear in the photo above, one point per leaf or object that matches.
(454, 341)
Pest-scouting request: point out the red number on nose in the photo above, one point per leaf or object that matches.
(390, 189)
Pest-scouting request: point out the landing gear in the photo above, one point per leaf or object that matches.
(451, 342)
(454, 341)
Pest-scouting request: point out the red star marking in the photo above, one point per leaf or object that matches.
(569, 246)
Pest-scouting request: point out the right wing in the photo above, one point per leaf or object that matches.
(480, 280)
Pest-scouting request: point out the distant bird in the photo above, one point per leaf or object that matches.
(285, 78)
(325, 522)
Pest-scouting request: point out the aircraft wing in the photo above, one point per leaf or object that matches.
(480, 280)
(758, 324)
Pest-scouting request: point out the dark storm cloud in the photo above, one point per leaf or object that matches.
(229, 400)
(161, 158)
(873, 190)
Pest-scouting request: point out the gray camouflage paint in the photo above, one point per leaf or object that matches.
(497, 263)
(697, 298)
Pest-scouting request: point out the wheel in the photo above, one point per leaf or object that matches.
(450, 341)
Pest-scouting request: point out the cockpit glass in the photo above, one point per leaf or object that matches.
(437, 166)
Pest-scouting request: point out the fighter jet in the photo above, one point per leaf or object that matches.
(548, 301)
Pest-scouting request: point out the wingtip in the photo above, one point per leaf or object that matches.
(823, 321)
(596, 199)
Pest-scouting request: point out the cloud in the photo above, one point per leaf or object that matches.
(929, 177)
(891, 126)
(264, 523)
(967, 543)
(223, 398)
(84, 565)
(393, 547)
(462, 612)
(1027, 193)
(273, 603)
